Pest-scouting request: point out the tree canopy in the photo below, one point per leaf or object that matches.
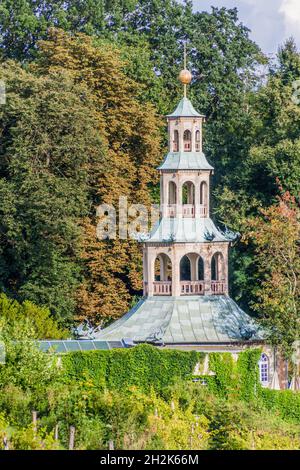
(87, 83)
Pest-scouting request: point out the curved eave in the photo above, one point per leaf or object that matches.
(185, 230)
(196, 320)
(185, 161)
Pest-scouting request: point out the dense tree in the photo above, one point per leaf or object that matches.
(113, 269)
(272, 155)
(27, 318)
(276, 239)
(51, 152)
(251, 131)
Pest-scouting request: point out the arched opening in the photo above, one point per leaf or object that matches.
(162, 284)
(187, 140)
(176, 141)
(203, 199)
(203, 193)
(185, 269)
(263, 365)
(217, 267)
(172, 193)
(188, 199)
(218, 285)
(192, 274)
(197, 141)
(200, 269)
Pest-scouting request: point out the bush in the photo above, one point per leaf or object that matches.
(285, 402)
(143, 366)
(37, 319)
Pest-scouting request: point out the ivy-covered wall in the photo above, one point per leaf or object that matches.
(148, 367)
(143, 366)
(237, 378)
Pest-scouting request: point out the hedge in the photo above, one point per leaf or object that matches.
(143, 366)
(286, 402)
(148, 367)
(237, 379)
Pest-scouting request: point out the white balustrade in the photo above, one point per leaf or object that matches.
(162, 288)
(192, 287)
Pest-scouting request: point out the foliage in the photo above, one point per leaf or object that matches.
(37, 319)
(112, 268)
(168, 412)
(275, 238)
(286, 402)
(236, 378)
(45, 190)
(144, 366)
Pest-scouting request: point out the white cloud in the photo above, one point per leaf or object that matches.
(271, 21)
(290, 9)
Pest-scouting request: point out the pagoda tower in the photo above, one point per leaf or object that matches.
(185, 300)
(190, 253)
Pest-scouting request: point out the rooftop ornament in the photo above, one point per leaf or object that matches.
(209, 236)
(230, 235)
(140, 236)
(156, 337)
(86, 331)
(171, 238)
(185, 75)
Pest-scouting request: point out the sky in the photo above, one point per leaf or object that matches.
(271, 21)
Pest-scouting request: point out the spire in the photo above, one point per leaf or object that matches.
(185, 75)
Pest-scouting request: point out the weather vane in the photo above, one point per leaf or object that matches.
(185, 75)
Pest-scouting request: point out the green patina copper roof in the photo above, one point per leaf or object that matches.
(70, 345)
(185, 161)
(185, 109)
(184, 320)
(187, 230)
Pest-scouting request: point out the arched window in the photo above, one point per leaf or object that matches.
(172, 193)
(197, 140)
(176, 141)
(185, 269)
(163, 268)
(187, 140)
(200, 269)
(162, 284)
(263, 365)
(188, 193)
(217, 267)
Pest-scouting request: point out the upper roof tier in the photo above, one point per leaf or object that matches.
(185, 109)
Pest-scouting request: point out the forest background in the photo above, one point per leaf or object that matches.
(87, 85)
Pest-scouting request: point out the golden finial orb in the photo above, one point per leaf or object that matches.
(185, 76)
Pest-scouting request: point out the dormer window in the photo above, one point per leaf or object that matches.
(197, 140)
(187, 140)
(176, 141)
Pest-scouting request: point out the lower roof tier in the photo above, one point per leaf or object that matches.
(185, 161)
(186, 230)
(181, 320)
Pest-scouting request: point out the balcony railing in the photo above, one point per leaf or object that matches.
(188, 210)
(218, 287)
(188, 288)
(203, 210)
(162, 288)
(171, 210)
(192, 287)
